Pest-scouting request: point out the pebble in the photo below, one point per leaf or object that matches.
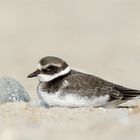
(12, 91)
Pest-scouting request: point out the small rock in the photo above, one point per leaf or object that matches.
(12, 91)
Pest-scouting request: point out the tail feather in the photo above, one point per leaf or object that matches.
(128, 94)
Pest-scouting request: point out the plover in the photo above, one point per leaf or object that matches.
(59, 85)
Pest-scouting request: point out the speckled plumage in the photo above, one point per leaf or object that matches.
(77, 83)
(88, 85)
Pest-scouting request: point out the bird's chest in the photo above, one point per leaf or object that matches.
(62, 99)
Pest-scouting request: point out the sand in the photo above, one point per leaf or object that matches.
(22, 121)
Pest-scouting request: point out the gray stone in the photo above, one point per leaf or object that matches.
(12, 91)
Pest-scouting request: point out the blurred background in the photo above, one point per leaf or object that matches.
(101, 37)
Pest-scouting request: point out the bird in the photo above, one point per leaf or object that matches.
(61, 86)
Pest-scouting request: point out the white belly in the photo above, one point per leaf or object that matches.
(72, 100)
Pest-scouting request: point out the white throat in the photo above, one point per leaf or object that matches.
(47, 78)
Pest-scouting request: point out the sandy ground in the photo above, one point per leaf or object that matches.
(21, 121)
(97, 36)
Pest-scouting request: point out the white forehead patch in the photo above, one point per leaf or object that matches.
(39, 66)
(47, 78)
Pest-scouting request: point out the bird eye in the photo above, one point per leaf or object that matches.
(50, 68)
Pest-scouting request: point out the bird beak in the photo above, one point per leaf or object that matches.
(34, 74)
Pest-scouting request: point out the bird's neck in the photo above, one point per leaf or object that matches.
(52, 86)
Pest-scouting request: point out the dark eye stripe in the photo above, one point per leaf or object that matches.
(48, 69)
(44, 70)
